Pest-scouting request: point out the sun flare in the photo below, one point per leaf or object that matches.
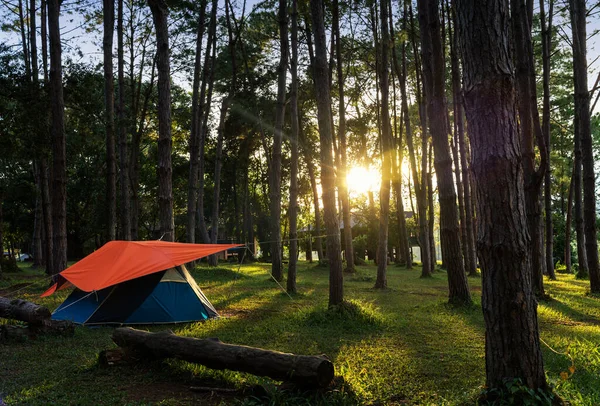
(361, 180)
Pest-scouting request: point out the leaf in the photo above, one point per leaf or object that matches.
(572, 369)
(564, 376)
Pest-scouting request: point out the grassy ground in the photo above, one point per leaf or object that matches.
(400, 346)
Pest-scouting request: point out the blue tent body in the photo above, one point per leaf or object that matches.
(169, 296)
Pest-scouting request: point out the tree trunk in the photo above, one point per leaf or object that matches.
(109, 105)
(1, 232)
(33, 42)
(47, 215)
(275, 172)
(204, 112)
(315, 192)
(135, 152)
(59, 152)
(293, 207)
(165, 171)
(433, 77)
(583, 129)
(122, 125)
(569, 224)
(301, 369)
(469, 238)
(195, 130)
(25, 48)
(509, 305)
(38, 221)
(336, 279)
(386, 150)
(546, 49)
(44, 37)
(341, 170)
(419, 190)
(529, 125)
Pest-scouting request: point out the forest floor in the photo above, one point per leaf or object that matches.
(400, 346)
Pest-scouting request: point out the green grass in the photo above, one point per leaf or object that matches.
(403, 345)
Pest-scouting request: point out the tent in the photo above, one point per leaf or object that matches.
(136, 282)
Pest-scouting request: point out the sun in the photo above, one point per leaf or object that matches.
(361, 180)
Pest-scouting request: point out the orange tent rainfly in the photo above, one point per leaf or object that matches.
(136, 282)
(120, 261)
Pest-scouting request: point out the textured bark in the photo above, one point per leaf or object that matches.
(469, 237)
(546, 48)
(509, 305)
(428, 263)
(24, 44)
(38, 221)
(302, 369)
(195, 130)
(336, 281)
(315, 192)
(386, 150)
(136, 141)
(122, 125)
(165, 171)
(433, 77)
(569, 225)
(109, 119)
(342, 167)
(293, 207)
(419, 188)
(204, 111)
(529, 125)
(47, 215)
(22, 310)
(583, 128)
(44, 37)
(59, 152)
(19, 333)
(33, 41)
(275, 172)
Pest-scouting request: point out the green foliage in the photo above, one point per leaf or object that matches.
(515, 392)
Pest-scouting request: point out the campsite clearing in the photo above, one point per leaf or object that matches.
(400, 346)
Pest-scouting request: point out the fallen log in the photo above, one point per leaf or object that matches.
(301, 369)
(10, 332)
(23, 310)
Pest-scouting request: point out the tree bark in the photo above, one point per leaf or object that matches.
(165, 171)
(122, 125)
(433, 77)
(469, 240)
(302, 369)
(583, 129)
(195, 130)
(275, 172)
(342, 169)
(204, 111)
(22, 310)
(293, 207)
(109, 105)
(386, 150)
(529, 125)
(33, 41)
(336, 280)
(509, 305)
(47, 215)
(57, 130)
(569, 224)
(315, 192)
(546, 49)
(44, 37)
(24, 45)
